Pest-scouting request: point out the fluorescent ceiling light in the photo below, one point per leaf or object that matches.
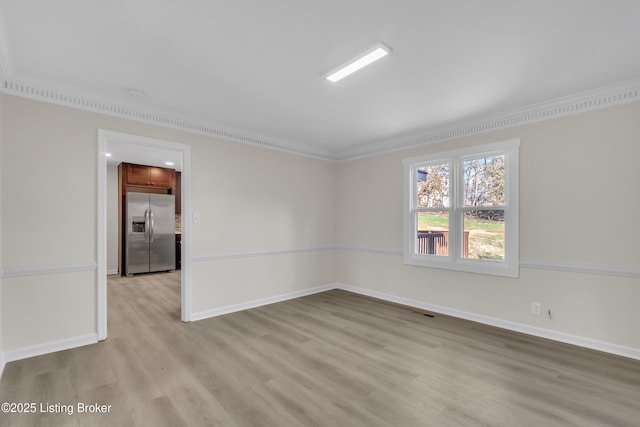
(135, 93)
(168, 163)
(360, 61)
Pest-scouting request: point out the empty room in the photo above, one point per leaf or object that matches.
(355, 213)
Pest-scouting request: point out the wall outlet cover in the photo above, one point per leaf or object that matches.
(536, 308)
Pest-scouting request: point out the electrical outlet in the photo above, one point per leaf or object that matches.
(536, 308)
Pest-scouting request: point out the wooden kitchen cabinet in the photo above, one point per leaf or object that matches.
(135, 174)
(161, 177)
(148, 176)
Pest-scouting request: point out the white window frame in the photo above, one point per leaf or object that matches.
(508, 267)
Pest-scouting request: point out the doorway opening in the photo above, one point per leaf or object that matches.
(147, 147)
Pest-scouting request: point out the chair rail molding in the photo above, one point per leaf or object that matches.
(37, 270)
(529, 263)
(214, 256)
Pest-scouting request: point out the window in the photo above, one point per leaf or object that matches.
(461, 209)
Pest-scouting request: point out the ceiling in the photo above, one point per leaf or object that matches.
(143, 155)
(255, 68)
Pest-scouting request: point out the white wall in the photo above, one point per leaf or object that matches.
(112, 219)
(578, 208)
(252, 201)
(271, 221)
(1, 238)
(259, 201)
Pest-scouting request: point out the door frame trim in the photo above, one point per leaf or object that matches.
(104, 137)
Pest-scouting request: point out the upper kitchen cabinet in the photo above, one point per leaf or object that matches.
(148, 176)
(161, 177)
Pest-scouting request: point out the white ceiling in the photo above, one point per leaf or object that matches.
(143, 155)
(256, 67)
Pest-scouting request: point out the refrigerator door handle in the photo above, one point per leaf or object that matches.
(146, 225)
(151, 228)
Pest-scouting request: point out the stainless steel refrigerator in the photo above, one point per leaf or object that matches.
(150, 237)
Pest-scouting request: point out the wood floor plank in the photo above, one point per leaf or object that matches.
(329, 359)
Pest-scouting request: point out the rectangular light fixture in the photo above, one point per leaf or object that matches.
(378, 51)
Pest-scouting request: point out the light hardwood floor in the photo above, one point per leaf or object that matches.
(330, 359)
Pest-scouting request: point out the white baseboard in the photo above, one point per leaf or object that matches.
(633, 353)
(259, 302)
(65, 344)
(48, 347)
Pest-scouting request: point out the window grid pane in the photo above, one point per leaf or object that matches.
(432, 185)
(483, 181)
(432, 237)
(484, 234)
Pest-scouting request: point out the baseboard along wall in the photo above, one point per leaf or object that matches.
(580, 341)
(46, 348)
(66, 344)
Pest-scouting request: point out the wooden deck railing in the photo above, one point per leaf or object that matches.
(437, 243)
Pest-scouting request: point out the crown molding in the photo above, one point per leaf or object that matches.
(158, 118)
(594, 99)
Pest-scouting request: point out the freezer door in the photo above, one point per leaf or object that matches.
(163, 235)
(137, 244)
